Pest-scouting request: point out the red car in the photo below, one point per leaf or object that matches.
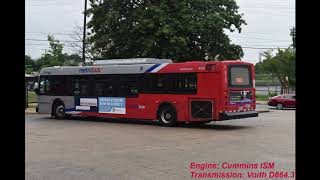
(283, 101)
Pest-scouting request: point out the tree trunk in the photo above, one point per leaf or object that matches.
(281, 82)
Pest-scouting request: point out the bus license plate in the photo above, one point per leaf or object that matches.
(241, 108)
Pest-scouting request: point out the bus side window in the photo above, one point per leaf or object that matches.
(57, 86)
(128, 86)
(103, 88)
(99, 88)
(132, 89)
(47, 85)
(69, 88)
(42, 85)
(192, 81)
(84, 87)
(109, 90)
(76, 90)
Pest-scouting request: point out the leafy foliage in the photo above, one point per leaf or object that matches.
(177, 29)
(293, 36)
(29, 64)
(281, 65)
(54, 57)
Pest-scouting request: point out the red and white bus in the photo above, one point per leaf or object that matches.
(150, 89)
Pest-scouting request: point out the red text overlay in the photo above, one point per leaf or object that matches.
(224, 170)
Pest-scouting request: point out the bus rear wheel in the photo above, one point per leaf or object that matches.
(59, 111)
(167, 116)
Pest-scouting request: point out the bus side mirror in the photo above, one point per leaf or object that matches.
(36, 90)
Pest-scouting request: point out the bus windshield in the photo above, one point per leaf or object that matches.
(240, 76)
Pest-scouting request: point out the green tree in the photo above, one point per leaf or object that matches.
(177, 29)
(72, 60)
(54, 56)
(281, 65)
(30, 64)
(293, 37)
(260, 67)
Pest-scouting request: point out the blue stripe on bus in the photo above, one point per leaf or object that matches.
(153, 67)
(70, 109)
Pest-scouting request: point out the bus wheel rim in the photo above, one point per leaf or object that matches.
(60, 110)
(166, 117)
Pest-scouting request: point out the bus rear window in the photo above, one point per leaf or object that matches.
(240, 76)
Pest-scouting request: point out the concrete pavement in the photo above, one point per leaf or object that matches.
(82, 149)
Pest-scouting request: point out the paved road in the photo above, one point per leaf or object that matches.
(262, 107)
(83, 149)
(266, 107)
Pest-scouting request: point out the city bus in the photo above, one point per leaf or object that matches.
(150, 89)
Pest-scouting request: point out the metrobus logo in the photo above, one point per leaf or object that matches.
(89, 70)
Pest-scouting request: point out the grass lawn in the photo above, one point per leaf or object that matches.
(32, 97)
(262, 97)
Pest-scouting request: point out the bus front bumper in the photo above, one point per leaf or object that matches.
(238, 115)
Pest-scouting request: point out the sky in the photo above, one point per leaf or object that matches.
(268, 25)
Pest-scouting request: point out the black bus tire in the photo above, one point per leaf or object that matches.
(167, 116)
(58, 110)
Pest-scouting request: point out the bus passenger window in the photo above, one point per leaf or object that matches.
(84, 88)
(192, 82)
(99, 89)
(109, 90)
(160, 82)
(47, 84)
(42, 85)
(76, 87)
(57, 86)
(186, 82)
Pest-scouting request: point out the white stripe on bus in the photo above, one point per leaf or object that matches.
(159, 67)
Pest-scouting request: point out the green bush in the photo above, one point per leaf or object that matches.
(261, 97)
(271, 94)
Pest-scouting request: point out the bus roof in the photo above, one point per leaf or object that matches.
(135, 68)
(131, 61)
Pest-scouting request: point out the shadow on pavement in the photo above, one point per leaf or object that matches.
(211, 125)
(274, 108)
(214, 126)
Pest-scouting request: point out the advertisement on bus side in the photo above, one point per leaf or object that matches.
(112, 105)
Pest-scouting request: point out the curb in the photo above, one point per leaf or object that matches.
(263, 111)
(262, 102)
(30, 111)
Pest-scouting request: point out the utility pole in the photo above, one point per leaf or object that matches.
(45, 51)
(84, 33)
(260, 54)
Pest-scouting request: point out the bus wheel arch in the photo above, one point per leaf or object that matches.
(167, 114)
(58, 109)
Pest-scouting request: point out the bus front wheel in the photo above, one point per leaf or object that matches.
(167, 116)
(59, 111)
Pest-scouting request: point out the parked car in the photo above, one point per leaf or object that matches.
(283, 101)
